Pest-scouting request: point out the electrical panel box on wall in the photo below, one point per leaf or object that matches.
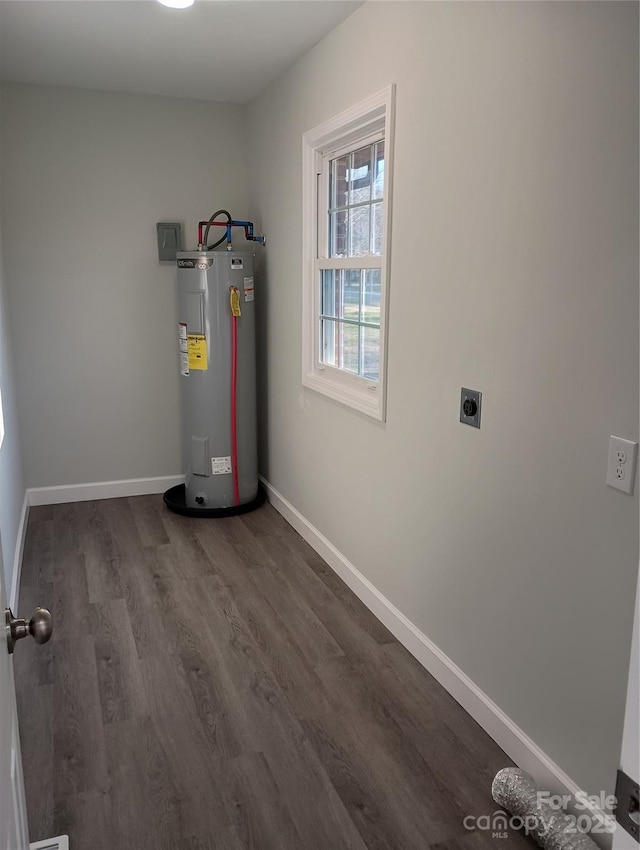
(169, 240)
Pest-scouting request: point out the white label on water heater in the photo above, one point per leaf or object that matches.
(184, 356)
(221, 466)
(248, 289)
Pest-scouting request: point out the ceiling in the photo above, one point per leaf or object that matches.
(218, 50)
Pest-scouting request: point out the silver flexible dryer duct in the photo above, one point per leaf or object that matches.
(553, 829)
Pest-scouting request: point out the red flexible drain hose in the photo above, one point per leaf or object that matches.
(234, 415)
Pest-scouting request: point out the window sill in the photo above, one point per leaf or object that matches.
(355, 392)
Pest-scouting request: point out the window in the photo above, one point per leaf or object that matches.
(346, 224)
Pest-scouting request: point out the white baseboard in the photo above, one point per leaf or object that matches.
(61, 842)
(102, 490)
(516, 743)
(14, 592)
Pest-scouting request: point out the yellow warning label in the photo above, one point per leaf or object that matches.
(197, 349)
(234, 300)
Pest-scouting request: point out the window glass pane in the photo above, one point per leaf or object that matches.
(371, 353)
(378, 170)
(376, 216)
(349, 347)
(329, 350)
(338, 185)
(340, 344)
(371, 296)
(359, 231)
(351, 295)
(360, 175)
(330, 299)
(338, 234)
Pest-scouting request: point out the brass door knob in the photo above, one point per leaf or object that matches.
(38, 626)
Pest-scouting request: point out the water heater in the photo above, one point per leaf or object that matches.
(216, 346)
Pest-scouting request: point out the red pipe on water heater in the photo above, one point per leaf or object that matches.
(235, 312)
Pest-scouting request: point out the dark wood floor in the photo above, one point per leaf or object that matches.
(213, 684)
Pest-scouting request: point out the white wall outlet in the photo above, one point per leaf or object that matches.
(622, 464)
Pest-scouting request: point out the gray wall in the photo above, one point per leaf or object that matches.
(85, 177)
(514, 271)
(12, 486)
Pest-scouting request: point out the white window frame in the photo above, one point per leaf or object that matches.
(356, 127)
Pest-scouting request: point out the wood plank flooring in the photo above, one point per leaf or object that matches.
(213, 685)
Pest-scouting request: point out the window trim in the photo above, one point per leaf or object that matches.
(345, 131)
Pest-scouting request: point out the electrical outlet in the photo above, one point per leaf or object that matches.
(470, 407)
(627, 810)
(622, 464)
